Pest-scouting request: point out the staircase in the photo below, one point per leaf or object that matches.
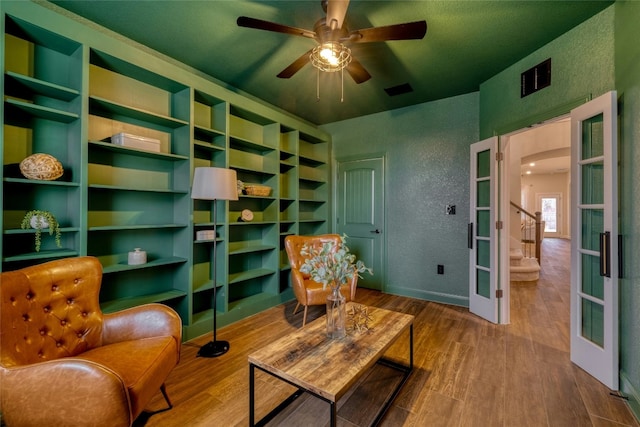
(523, 269)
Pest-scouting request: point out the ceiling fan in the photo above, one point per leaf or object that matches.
(332, 38)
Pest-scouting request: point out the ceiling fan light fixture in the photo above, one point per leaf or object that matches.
(330, 56)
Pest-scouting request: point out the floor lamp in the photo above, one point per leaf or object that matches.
(214, 184)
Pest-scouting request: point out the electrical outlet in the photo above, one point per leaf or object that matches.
(440, 269)
(450, 209)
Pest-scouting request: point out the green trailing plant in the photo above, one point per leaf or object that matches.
(42, 220)
(331, 265)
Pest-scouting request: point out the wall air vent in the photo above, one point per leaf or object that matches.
(399, 89)
(535, 78)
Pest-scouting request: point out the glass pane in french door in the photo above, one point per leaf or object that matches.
(592, 183)
(483, 283)
(483, 221)
(592, 137)
(592, 218)
(593, 322)
(592, 226)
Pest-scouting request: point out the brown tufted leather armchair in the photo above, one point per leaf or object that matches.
(65, 363)
(307, 291)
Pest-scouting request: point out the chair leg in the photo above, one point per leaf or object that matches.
(163, 389)
(296, 309)
(304, 317)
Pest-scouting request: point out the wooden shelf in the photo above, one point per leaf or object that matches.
(107, 108)
(26, 181)
(42, 87)
(42, 112)
(136, 152)
(249, 274)
(135, 227)
(145, 190)
(124, 303)
(42, 255)
(118, 268)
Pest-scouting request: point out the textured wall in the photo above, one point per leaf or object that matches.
(628, 85)
(427, 153)
(582, 64)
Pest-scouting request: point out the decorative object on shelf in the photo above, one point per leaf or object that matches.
(246, 215)
(257, 190)
(137, 257)
(206, 234)
(358, 318)
(240, 188)
(136, 141)
(41, 166)
(211, 183)
(41, 220)
(333, 266)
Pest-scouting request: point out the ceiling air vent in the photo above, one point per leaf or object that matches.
(535, 78)
(399, 89)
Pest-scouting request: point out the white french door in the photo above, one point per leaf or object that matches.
(594, 248)
(483, 239)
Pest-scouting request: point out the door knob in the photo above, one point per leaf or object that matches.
(376, 231)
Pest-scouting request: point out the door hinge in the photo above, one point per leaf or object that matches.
(498, 225)
(498, 293)
(499, 156)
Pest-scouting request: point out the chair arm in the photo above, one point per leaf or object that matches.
(144, 321)
(93, 394)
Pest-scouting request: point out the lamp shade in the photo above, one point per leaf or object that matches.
(214, 184)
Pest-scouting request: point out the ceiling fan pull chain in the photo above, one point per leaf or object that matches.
(342, 85)
(318, 85)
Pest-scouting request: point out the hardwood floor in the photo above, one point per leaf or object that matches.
(467, 371)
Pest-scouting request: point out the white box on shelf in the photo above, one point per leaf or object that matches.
(205, 235)
(135, 141)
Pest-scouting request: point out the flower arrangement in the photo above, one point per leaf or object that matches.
(331, 265)
(40, 220)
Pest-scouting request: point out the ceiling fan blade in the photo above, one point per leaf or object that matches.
(336, 11)
(357, 71)
(406, 31)
(295, 66)
(259, 24)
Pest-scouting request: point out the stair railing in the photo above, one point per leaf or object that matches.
(530, 235)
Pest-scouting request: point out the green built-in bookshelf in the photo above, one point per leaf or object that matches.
(68, 88)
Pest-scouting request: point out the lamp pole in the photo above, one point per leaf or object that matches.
(210, 183)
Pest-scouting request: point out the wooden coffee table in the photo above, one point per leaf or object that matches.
(327, 368)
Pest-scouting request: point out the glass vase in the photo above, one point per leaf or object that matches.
(336, 314)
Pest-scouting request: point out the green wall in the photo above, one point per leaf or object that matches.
(627, 62)
(427, 167)
(582, 66)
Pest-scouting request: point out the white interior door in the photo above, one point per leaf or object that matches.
(483, 239)
(594, 249)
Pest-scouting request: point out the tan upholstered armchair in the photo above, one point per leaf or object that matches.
(307, 291)
(64, 363)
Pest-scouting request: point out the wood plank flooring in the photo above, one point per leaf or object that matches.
(468, 372)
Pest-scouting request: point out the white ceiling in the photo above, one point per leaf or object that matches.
(547, 146)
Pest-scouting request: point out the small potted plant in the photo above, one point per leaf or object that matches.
(41, 220)
(333, 265)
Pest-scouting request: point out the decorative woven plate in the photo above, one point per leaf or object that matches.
(41, 166)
